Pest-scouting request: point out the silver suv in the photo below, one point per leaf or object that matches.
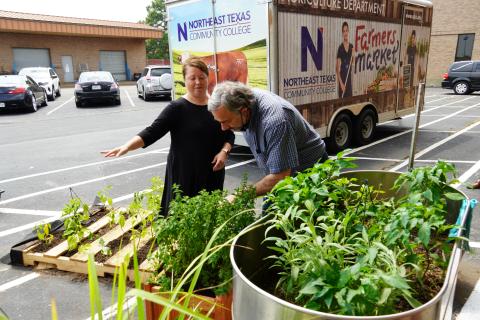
(156, 80)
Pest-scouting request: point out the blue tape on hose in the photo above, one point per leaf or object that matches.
(454, 231)
(473, 203)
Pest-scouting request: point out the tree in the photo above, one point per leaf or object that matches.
(157, 17)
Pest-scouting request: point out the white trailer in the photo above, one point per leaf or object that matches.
(345, 64)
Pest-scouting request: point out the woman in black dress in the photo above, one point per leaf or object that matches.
(199, 148)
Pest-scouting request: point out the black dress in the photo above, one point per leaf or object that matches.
(345, 70)
(195, 140)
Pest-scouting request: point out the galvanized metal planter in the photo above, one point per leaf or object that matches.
(254, 279)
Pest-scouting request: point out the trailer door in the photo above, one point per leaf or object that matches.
(415, 42)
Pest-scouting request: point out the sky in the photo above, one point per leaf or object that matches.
(115, 10)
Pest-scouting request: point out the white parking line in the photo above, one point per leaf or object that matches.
(30, 195)
(82, 166)
(52, 111)
(474, 244)
(129, 196)
(407, 131)
(436, 145)
(30, 212)
(441, 115)
(129, 98)
(446, 160)
(467, 174)
(471, 309)
(378, 159)
(111, 311)
(427, 110)
(118, 199)
(28, 226)
(439, 99)
(19, 281)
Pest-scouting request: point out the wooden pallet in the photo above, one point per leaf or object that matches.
(54, 257)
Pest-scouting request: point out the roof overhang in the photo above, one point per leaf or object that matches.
(63, 26)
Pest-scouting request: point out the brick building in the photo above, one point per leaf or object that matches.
(72, 45)
(455, 36)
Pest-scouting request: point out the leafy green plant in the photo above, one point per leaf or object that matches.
(105, 249)
(76, 213)
(43, 233)
(345, 249)
(186, 231)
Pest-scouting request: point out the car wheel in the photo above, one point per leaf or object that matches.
(341, 133)
(45, 103)
(52, 96)
(78, 104)
(118, 102)
(145, 95)
(364, 127)
(34, 107)
(58, 91)
(138, 93)
(461, 87)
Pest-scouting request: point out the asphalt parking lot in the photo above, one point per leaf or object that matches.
(57, 149)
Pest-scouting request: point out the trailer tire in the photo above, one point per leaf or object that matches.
(364, 127)
(341, 133)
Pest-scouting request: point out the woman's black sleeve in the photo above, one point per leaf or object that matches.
(160, 126)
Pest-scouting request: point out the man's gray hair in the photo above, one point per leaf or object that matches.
(231, 95)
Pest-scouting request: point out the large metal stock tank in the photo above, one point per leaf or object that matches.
(254, 280)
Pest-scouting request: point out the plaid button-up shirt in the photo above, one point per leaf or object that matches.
(279, 137)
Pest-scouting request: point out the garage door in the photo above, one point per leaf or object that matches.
(114, 61)
(23, 58)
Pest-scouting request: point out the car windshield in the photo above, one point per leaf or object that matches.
(159, 71)
(95, 76)
(36, 73)
(11, 80)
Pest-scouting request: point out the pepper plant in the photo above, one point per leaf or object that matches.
(76, 212)
(43, 233)
(343, 248)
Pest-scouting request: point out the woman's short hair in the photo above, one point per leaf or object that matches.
(232, 95)
(194, 62)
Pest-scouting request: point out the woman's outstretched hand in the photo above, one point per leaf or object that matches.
(116, 152)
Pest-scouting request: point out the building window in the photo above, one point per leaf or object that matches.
(464, 46)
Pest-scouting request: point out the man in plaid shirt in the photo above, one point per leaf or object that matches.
(281, 140)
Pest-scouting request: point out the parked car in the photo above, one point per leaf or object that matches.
(21, 92)
(96, 86)
(45, 77)
(463, 77)
(156, 80)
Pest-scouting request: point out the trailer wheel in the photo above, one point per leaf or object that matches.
(341, 133)
(364, 127)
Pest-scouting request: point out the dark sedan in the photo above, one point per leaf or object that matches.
(21, 92)
(96, 86)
